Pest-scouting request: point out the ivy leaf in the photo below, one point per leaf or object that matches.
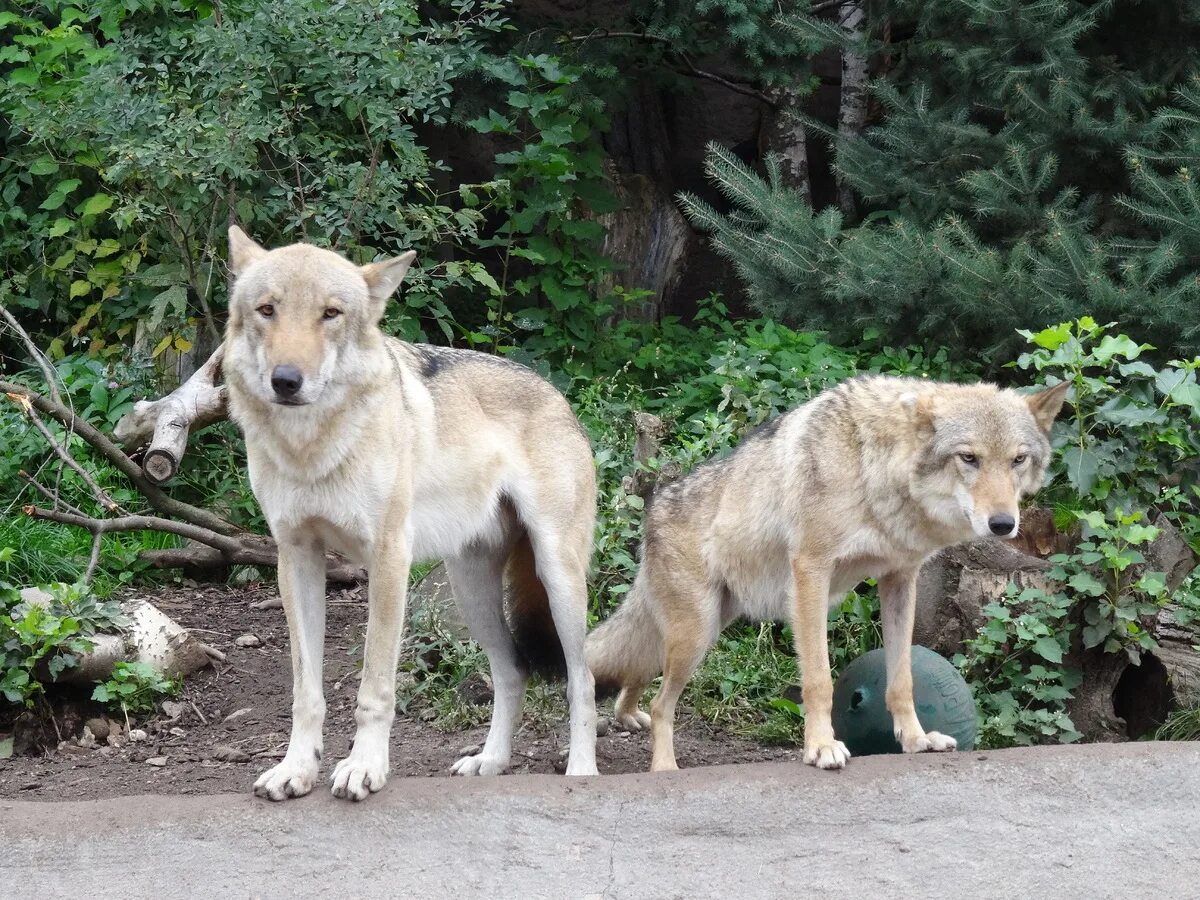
(1048, 648)
(1054, 337)
(1082, 466)
(1086, 583)
(94, 205)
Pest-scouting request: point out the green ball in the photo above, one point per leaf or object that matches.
(943, 700)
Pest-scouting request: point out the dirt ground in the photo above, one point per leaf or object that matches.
(235, 718)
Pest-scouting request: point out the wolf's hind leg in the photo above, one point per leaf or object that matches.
(897, 600)
(626, 713)
(694, 624)
(563, 572)
(478, 585)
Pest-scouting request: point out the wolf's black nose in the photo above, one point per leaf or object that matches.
(286, 380)
(1001, 524)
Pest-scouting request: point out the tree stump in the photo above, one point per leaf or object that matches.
(1117, 699)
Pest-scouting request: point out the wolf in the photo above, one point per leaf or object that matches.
(868, 479)
(392, 453)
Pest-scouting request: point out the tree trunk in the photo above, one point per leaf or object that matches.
(785, 136)
(852, 115)
(647, 237)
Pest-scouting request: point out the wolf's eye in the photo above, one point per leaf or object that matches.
(331, 313)
(266, 310)
(1019, 459)
(969, 458)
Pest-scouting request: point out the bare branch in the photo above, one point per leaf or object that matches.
(49, 494)
(35, 353)
(102, 496)
(99, 441)
(94, 559)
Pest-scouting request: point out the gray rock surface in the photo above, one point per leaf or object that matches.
(1088, 821)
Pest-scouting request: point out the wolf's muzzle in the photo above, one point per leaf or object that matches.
(287, 381)
(1002, 524)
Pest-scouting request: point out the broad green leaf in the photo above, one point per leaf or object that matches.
(1054, 337)
(1082, 466)
(1048, 648)
(1086, 583)
(95, 205)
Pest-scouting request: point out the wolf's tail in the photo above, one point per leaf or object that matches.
(529, 617)
(625, 651)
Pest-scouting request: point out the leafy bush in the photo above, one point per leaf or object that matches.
(135, 687)
(41, 640)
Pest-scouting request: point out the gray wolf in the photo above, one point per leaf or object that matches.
(868, 479)
(392, 453)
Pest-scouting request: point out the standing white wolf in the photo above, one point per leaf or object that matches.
(867, 480)
(393, 453)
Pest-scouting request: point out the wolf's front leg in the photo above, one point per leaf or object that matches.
(897, 602)
(810, 626)
(365, 770)
(302, 587)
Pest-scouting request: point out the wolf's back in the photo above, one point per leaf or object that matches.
(626, 649)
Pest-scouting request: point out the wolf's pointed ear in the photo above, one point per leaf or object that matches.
(242, 250)
(1046, 405)
(384, 277)
(919, 407)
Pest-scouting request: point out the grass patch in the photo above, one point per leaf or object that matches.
(1181, 725)
(45, 552)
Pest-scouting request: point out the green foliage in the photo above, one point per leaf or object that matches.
(300, 120)
(135, 687)
(1133, 423)
(1181, 725)
(551, 184)
(38, 641)
(1014, 666)
(1020, 175)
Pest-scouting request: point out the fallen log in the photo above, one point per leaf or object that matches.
(163, 426)
(151, 637)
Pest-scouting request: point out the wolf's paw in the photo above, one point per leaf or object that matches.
(634, 721)
(481, 764)
(581, 768)
(288, 779)
(831, 755)
(933, 741)
(360, 774)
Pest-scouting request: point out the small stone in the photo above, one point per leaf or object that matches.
(157, 761)
(178, 732)
(249, 640)
(98, 727)
(136, 735)
(230, 754)
(602, 726)
(237, 714)
(475, 690)
(470, 750)
(564, 752)
(173, 709)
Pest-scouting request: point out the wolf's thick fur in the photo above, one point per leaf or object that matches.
(393, 453)
(866, 480)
